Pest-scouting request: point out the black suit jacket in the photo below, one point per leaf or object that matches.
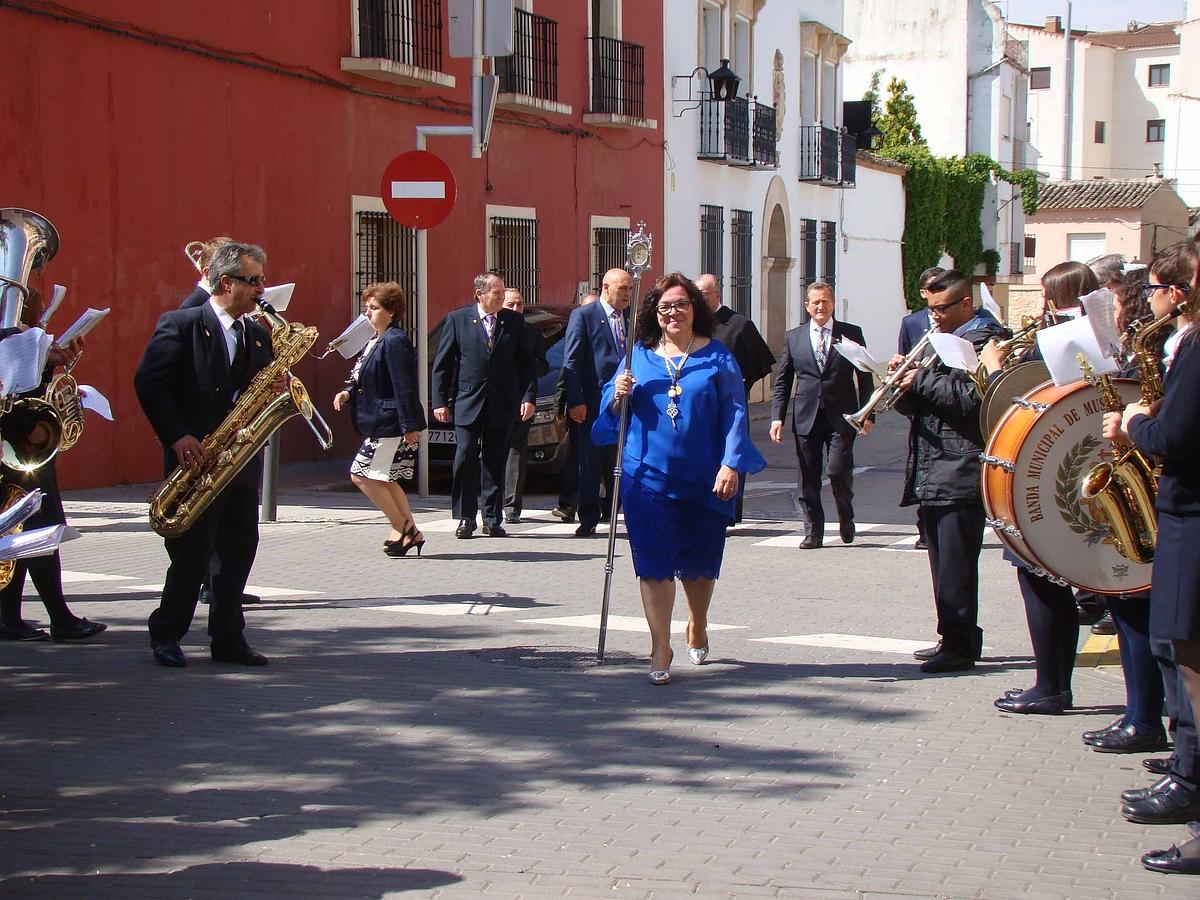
(744, 341)
(384, 402)
(837, 389)
(912, 328)
(198, 297)
(482, 386)
(183, 382)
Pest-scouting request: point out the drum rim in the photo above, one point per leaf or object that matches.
(992, 398)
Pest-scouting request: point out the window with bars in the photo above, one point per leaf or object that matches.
(514, 246)
(386, 251)
(608, 251)
(741, 231)
(712, 240)
(829, 253)
(808, 252)
(407, 31)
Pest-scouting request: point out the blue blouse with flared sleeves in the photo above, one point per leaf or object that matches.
(712, 428)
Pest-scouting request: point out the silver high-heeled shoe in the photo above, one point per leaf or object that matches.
(662, 676)
(698, 655)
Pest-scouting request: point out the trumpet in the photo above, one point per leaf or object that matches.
(193, 250)
(884, 397)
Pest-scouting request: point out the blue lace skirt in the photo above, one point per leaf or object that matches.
(671, 538)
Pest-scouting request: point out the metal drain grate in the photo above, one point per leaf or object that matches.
(559, 658)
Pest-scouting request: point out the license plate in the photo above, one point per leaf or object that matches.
(441, 437)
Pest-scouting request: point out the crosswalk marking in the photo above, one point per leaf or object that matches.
(78, 577)
(621, 623)
(260, 590)
(848, 642)
(436, 608)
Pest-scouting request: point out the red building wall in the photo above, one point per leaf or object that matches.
(136, 127)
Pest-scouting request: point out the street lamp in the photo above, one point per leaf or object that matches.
(722, 86)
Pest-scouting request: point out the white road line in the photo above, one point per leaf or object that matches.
(620, 623)
(434, 608)
(848, 642)
(80, 577)
(261, 590)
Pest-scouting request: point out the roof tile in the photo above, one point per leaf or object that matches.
(1096, 193)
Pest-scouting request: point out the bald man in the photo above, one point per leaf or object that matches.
(595, 345)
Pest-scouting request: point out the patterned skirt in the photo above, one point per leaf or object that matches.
(671, 538)
(385, 459)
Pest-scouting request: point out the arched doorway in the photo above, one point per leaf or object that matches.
(777, 264)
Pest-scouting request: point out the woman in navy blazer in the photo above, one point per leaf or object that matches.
(1168, 432)
(387, 412)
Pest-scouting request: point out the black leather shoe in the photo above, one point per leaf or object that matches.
(811, 542)
(945, 661)
(250, 599)
(466, 528)
(566, 513)
(1090, 611)
(1171, 862)
(1160, 765)
(1090, 736)
(1129, 739)
(1135, 795)
(494, 531)
(928, 652)
(920, 544)
(512, 519)
(22, 631)
(80, 631)
(167, 653)
(1054, 705)
(847, 531)
(1173, 805)
(1106, 625)
(241, 654)
(585, 531)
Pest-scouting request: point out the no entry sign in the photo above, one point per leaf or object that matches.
(418, 189)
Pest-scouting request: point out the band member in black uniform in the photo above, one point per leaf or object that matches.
(195, 367)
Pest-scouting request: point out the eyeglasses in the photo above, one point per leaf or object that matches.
(665, 309)
(252, 280)
(1147, 290)
(941, 309)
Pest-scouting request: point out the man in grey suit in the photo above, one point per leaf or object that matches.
(827, 387)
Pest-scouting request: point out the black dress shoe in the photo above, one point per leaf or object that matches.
(494, 531)
(250, 599)
(945, 661)
(928, 652)
(566, 513)
(167, 653)
(1131, 739)
(1090, 736)
(847, 531)
(1106, 625)
(585, 531)
(1171, 862)
(80, 631)
(239, 653)
(466, 528)
(1090, 611)
(920, 544)
(1134, 795)
(1054, 705)
(811, 542)
(1160, 765)
(22, 631)
(512, 519)
(1173, 805)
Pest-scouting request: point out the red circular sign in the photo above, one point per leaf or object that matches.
(418, 189)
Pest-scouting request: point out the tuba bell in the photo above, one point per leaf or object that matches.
(27, 241)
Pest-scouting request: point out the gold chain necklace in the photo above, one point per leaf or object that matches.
(675, 371)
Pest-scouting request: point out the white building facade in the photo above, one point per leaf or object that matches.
(767, 192)
(1183, 110)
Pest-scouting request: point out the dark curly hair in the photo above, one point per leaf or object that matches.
(650, 332)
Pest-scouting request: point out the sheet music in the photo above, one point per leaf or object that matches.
(279, 295)
(56, 299)
(1100, 309)
(90, 398)
(1061, 346)
(21, 510)
(859, 357)
(22, 361)
(83, 325)
(38, 542)
(989, 302)
(351, 341)
(954, 351)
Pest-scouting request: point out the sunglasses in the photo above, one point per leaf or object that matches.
(252, 280)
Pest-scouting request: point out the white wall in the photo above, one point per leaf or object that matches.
(871, 277)
(1183, 113)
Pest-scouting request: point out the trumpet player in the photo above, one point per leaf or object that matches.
(194, 368)
(942, 474)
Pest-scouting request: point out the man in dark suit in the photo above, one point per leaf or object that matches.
(195, 367)
(595, 346)
(518, 441)
(827, 387)
(913, 327)
(483, 373)
(200, 294)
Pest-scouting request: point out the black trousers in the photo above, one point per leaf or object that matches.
(954, 537)
(229, 528)
(594, 460)
(1187, 664)
(836, 443)
(514, 470)
(1181, 715)
(1053, 630)
(44, 571)
(474, 445)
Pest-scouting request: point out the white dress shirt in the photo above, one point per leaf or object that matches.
(821, 337)
(227, 321)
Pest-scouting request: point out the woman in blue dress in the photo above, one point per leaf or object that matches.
(686, 441)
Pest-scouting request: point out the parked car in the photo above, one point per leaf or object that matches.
(548, 434)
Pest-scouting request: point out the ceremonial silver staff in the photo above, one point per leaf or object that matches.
(637, 261)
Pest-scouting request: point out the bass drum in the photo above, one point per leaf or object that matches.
(1041, 448)
(1013, 382)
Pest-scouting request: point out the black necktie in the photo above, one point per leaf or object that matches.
(237, 368)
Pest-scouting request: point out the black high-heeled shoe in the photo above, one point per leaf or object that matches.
(407, 541)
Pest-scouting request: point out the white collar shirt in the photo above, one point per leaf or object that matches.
(821, 336)
(227, 321)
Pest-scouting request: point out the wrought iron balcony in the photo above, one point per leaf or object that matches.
(766, 151)
(532, 70)
(740, 132)
(618, 78)
(827, 156)
(405, 31)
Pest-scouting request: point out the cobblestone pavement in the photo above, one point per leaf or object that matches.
(438, 726)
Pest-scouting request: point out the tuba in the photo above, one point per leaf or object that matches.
(258, 413)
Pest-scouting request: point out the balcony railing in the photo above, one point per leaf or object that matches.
(406, 31)
(532, 69)
(618, 77)
(827, 156)
(741, 132)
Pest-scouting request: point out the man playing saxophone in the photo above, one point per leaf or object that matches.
(196, 365)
